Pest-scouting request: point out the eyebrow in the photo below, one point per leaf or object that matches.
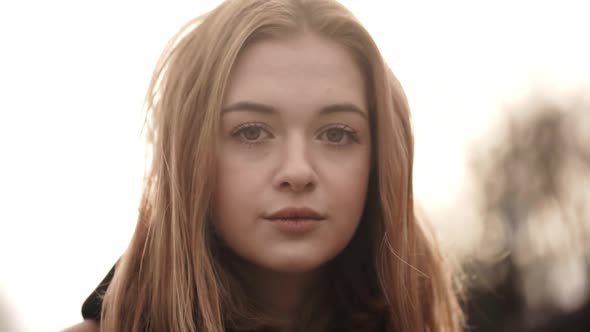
(248, 106)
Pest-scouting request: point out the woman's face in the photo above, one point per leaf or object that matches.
(295, 154)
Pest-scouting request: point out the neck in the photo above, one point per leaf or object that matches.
(283, 295)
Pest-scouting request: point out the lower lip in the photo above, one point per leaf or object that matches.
(296, 226)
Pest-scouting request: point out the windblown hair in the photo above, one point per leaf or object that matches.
(173, 277)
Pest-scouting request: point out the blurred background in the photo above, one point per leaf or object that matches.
(500, 93)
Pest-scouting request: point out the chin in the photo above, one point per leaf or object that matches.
(295, 268)
(294, 264)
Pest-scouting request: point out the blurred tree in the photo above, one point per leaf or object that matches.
(534, 180)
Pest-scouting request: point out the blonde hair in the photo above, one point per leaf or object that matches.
(171, 277)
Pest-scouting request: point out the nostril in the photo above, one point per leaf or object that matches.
(297, 186)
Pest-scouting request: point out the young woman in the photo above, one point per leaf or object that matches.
(279, 196)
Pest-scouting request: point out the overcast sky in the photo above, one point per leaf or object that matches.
(73, 75)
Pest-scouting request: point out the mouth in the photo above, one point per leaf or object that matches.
(294, 214)
(296, 221)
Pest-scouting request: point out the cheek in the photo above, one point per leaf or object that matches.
(237, 190)
(349, 193)
(346, 185)
(237, 177)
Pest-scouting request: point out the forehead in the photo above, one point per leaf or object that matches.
(301, 71)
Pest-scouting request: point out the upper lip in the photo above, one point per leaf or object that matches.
(296, 213)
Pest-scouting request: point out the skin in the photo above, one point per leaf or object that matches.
(295, 148)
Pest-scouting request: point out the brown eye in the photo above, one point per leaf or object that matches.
(335, 135)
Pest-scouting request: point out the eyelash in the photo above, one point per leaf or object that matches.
(239, 130)
(351, 133)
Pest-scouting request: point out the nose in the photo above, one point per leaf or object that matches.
(295, 172)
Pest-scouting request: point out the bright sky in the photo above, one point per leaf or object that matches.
(73, 75)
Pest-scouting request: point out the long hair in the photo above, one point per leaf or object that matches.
(171, 277)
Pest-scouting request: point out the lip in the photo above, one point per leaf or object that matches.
(296, 221)
(294, 214)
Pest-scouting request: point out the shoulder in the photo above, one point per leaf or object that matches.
(85, 326)
(92, 306)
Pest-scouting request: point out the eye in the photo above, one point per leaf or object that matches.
(340, 135)
(335, 135)
(251, 133)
